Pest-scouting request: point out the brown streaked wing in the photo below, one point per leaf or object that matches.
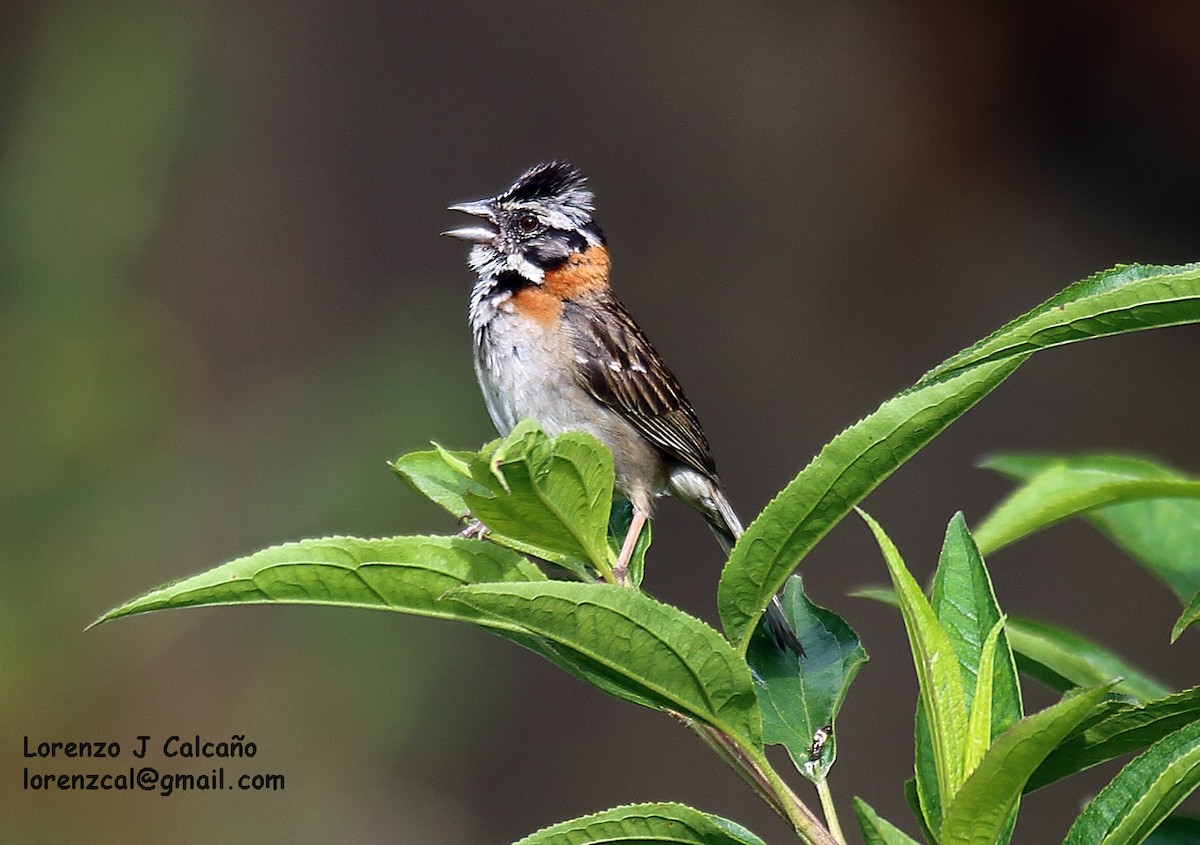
(619, 367)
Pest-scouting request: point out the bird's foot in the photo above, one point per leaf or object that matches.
(474, 530)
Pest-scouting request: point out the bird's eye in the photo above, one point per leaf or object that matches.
(528, 223)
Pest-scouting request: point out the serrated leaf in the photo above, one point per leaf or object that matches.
(1189, 617)
(1118, 728)
(1143, 793)
(938, 674)
(1161, 534)
(1127, 298)
(979, 722)
(979, 813)
(440, 475)
(640, 824)
(800, 699)
(964, 602)
(1060, 492)
(1062, 659)
(547, 497)
(574, 664)
(913, 799)
(1059, 658)
(655, 651)
(877, 830)
(845, 471)
(407, 574)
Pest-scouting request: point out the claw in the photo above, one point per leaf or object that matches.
(474, 530)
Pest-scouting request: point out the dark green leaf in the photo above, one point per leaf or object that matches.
(1143, 793)
(877, 830)
(654, 651)
(800, 698)
(643, 824)
(942, 699)
(408, 574)
(980, 813)
(965, 604)
(1118, 728)
(1124, 299)
(1176, 830)
(849, 467)
(547, 497)
(913, 800)
(1162, 534)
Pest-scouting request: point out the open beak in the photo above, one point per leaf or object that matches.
(476, 234)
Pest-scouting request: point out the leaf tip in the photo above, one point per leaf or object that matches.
(109, 615)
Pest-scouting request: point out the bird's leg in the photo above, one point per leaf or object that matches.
(621, 569)
(474, 529)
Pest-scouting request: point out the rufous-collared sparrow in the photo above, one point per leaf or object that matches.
(554, 344)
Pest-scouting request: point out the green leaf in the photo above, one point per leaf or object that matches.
(800, 699)
(653, 651)
(1059, 658)
(1127, 298)
(641, 824)
(1189, 617)
(440, 475)
(1060, 492)
(979, 813)
(964, 602)
(1161, 534)
(1062, 659)
(877, 830)
(979, 722)
(849, 467)
(407, 574)
(574, 664)
(938, 673)
(1118, 728)
(1143, 793)
(875, 592)
(547, 497)
(913, 798)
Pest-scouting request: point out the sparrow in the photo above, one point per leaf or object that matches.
(553, 343)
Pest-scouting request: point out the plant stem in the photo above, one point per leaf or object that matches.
(731, 754)
(802, 819)
(757, 771)
(831, 816)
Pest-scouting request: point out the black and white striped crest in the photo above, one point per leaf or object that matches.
(558, 182)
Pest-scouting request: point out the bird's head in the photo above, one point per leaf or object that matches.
(532, 227)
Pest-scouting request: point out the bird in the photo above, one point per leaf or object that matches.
(553, 343)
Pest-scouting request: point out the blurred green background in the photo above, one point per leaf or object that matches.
(224, 304)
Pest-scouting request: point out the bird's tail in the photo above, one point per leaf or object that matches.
(725, 524)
